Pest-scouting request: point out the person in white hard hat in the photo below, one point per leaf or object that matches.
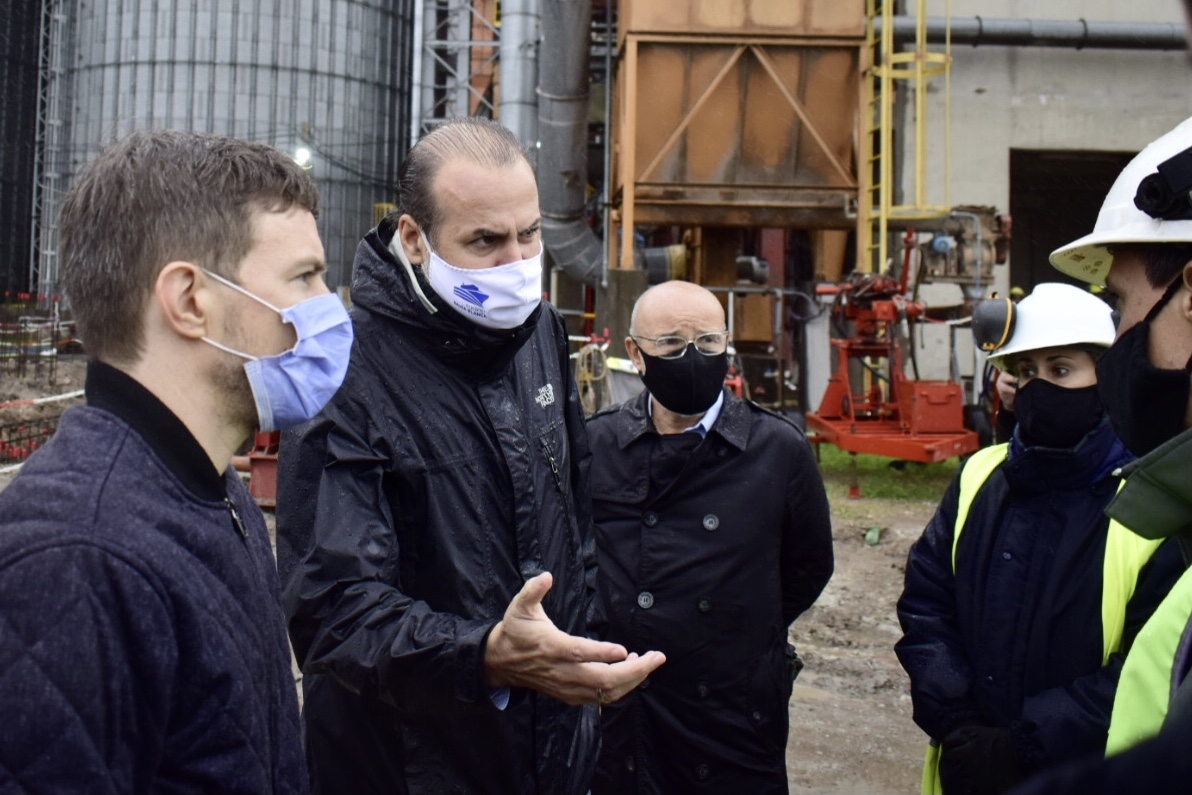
(1141, 249)
(1021, 597)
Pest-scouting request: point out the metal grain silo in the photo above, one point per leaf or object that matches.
(325, 76)
(18, 132)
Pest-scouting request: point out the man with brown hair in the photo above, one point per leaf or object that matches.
(434, 527)
(142, 645)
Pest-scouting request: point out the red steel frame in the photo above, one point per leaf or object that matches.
(887, 414)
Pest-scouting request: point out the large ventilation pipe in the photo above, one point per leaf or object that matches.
(563, 138)
(519, 41)
(1080, 34)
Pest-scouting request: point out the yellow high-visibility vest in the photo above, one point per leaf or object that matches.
(1144, 688)
(1125, 555)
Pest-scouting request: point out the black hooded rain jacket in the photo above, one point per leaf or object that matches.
(450, 467)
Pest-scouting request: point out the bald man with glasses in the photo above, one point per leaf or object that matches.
(713, 535)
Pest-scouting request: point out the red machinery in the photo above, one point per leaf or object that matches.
(261, 465)
(870, 406)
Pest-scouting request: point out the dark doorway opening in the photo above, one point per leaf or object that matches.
(1054, 199)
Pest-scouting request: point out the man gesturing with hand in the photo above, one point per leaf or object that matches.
(526, 650)
(434, 527)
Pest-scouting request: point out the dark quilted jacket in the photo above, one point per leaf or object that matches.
(142, 645)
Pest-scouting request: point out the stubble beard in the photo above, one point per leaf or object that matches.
(231, 381)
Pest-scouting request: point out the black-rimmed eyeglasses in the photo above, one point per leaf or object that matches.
(709, 343)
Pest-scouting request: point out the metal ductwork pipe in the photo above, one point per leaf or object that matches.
(519, 74)
(1080, 34)
(563, 139)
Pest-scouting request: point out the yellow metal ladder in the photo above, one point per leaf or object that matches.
(883, 72)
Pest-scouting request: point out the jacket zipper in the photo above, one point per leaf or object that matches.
(236, 518)
(554, 467)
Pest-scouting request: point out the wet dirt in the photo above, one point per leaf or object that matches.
(851, 728)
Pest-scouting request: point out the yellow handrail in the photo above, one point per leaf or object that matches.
(885, 71)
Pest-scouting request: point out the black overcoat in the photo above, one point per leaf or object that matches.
(711, 571)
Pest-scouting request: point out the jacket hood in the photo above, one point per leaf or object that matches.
(380, 286)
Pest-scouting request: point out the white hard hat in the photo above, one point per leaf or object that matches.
(1056, 315)
(1120, 221)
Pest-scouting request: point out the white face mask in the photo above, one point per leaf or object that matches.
(500, 297)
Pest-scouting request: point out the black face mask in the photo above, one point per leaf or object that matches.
(1055, 416)
(688, 385)
(1146, 404)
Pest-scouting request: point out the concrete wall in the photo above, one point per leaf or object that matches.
(1005, 98)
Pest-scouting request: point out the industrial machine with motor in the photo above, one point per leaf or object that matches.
(870, 406)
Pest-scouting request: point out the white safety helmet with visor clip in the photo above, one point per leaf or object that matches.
(1054, 315)
(1150, 202)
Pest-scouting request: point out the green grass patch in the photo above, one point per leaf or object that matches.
(884, 478)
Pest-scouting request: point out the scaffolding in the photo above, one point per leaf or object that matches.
(475, 58)
(49, 154)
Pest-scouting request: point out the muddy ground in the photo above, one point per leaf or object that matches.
(851, 728)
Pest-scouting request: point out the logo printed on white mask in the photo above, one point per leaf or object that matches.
(500, 297)
(294, 385)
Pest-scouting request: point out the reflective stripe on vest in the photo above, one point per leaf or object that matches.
(1145, 687)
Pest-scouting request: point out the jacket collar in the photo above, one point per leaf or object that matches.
(381, 286)
(633, 421)
(1037, 469)
(117, 392)
(1155, 500)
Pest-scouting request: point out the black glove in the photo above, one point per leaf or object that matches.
(979, 760)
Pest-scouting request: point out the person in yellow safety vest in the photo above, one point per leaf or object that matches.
(1021, 597)
(1141, 250)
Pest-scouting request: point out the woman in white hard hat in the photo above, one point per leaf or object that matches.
(1021, 597)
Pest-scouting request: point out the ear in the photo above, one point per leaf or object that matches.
(635, 354)
(410, 239)
(183, 299)
(1186, 295)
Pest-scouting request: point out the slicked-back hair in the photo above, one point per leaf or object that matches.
(481, 141)
(155, 197)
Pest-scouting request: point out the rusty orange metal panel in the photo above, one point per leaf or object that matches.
(750, 17)
(750, 132)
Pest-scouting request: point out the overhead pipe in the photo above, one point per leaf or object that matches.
(1080, 34)
(563, 139)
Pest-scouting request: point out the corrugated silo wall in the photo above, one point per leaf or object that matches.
(328, 75)
(19, 39)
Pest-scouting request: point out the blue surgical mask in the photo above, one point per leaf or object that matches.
(294, 385)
